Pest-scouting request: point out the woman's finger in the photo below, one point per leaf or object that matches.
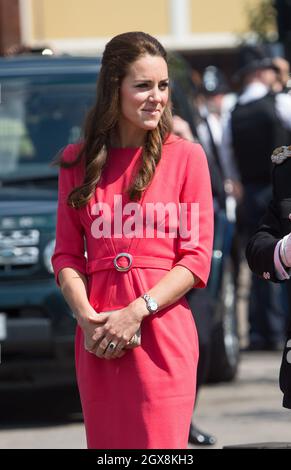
(98, 333)
(98, 318)
(117, 350)
(110, 350)
(89, 346)
(102, 346)
(120, 354)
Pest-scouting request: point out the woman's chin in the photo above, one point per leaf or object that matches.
(150, 126)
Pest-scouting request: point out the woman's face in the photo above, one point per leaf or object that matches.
(144, 93)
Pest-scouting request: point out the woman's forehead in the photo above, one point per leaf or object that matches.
(147, 66)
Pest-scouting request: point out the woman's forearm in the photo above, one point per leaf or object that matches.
(174, 285)
(74, 289)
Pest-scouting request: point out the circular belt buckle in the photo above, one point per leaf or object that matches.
(122, 268)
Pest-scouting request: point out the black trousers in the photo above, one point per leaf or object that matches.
(201, 306)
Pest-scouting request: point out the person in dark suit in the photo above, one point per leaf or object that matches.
(199, 300)
(268, 251)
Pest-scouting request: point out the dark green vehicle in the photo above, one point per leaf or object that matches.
(43, 103)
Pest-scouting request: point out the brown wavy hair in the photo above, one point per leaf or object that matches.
(101, 121)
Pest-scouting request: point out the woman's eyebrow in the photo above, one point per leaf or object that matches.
(146, 80)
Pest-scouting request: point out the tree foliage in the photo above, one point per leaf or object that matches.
(262, 20)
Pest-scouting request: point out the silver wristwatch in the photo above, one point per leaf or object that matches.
(151, 304)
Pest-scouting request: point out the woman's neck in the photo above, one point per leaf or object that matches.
(125, 137)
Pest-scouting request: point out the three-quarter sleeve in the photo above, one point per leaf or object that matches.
(69, 250)
(195, 241)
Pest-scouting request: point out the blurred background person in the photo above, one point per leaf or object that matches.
(198, 299)
(211, 92)
(214, 100)
(282, 75)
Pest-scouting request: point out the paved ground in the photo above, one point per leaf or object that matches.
(246, 411)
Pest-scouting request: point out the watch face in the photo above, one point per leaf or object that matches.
(153, 306)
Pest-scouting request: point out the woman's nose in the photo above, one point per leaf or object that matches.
(155, 95)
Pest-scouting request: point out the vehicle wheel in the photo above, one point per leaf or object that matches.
(225, 341)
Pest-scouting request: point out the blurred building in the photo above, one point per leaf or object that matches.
(212, 29)
(85, 26)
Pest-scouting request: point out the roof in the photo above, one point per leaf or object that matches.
(27, 65)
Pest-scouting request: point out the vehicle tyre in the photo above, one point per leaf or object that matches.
(225, 340)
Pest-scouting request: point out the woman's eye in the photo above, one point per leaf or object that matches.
(145, 85)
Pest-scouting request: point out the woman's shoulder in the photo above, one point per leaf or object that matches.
(70, 152)
(71, 171)
(180, 142)
(176, 145)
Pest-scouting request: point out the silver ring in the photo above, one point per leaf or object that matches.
(111, 346)
(122, 268)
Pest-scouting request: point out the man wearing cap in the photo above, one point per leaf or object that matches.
(259, 122)
(269, 249)
(209, 102)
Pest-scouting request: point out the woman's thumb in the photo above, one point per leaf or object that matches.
(98, 318)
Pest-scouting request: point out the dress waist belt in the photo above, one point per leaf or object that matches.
(123, 262)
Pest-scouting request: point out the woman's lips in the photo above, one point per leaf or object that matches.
(151, 111)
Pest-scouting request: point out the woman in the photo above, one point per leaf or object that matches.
(124, 190)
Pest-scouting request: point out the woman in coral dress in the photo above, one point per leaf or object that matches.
(134, 234)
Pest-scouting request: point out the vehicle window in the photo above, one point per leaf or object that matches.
(39, 118)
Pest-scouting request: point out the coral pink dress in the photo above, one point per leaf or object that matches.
(144, 399)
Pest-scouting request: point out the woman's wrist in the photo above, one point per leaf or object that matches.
(78, 302)
(82, 313)
(138, 308)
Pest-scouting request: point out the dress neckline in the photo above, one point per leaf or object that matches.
(171, 138)
(125, 149)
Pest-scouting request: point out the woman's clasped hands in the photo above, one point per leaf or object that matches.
(109, 334)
